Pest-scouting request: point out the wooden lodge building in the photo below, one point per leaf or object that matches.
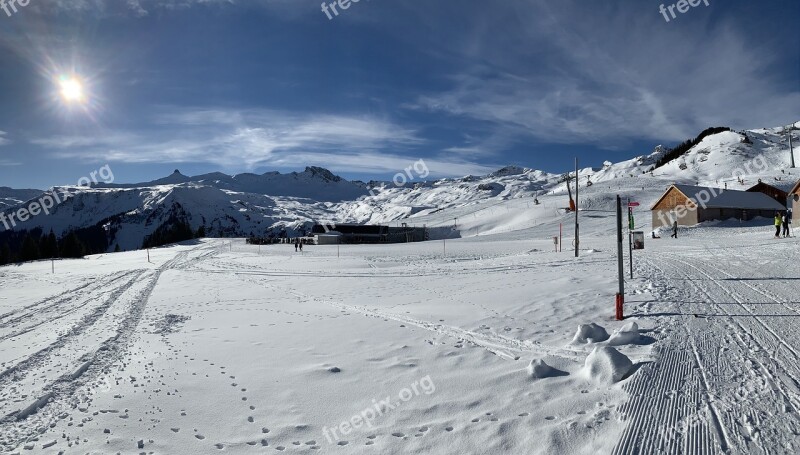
(778, 191)
(690, 205)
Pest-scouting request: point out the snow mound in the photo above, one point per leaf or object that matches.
(606, 365)
(538, 369)
(589, 333)
(627, 334)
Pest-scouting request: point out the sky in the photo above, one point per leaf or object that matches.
(468, 86)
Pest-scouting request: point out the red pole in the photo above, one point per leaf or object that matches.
(620, 303)
(560, 233)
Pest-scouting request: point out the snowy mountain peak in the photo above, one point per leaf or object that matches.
(509, 171)
(322, 173)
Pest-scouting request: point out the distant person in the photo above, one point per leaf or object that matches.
(787, 218)
(674, 229)
(654, 235)
(301, 247)
(295, 246)
(777, 225)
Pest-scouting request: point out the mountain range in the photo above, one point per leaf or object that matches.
(275, 204)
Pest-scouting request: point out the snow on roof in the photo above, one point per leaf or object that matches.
(783, 185)
(718, 198)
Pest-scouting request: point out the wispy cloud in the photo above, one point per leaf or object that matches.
(248, 139)
(142, 8)
(4, 140)
(607, 75)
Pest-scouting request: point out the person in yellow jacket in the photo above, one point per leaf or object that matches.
(778, 223)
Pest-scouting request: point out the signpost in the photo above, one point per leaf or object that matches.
(638, 240)
(631, 227)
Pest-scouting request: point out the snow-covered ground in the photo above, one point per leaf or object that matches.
(218, 346)
(486, 342)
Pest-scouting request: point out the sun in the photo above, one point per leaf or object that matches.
(71, 89)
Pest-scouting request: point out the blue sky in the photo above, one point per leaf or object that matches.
(469, 86)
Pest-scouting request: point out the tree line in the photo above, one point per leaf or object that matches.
(684, 146)
(34, 244)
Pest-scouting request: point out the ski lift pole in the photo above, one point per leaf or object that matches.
(620, 301)
(577, 226)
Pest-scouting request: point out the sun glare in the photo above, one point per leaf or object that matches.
(71, 90)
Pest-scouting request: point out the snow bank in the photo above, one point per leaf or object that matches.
(606, 365)
(589, 333)
(627, 334)
(538, 369)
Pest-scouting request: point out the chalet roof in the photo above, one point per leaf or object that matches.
(717, 198)
(783, 185)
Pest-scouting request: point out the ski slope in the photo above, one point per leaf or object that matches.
(221, 347)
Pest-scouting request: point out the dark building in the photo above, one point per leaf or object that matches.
(368, 233)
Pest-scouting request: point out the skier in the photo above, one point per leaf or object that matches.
(301, 247)
(674, 229)
(787, 219)
(295, 245)
(777, 225)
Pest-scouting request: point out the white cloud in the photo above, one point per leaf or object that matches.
(3, 139)
(142, 8)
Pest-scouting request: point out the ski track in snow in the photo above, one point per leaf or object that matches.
(22, 422)
(726, 378)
